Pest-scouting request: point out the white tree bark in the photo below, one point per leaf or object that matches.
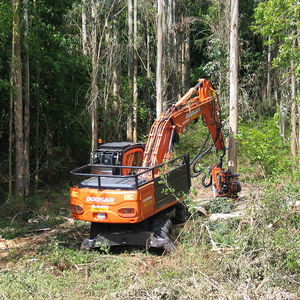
(165, 49)
(84, 34)
(159, 59)
(94, 81)
(148, 50)
(129, 132)
(116, 86)
(135, 88)
(116, 75)
(26, 102)
(182, 47)
(187, 59)
(298, 126)
(108, 72)
(269, 72)
(293, 116)
(233, 118)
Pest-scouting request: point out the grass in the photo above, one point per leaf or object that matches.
(253, 259)
(46, 209)
(192, 272)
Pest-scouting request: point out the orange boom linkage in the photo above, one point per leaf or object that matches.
(124, 196)
(178, 116)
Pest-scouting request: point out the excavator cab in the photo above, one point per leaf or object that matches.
(117, 154)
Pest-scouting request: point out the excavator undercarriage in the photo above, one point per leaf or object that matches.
(155, 232)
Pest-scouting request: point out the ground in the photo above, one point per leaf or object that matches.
(220, 255)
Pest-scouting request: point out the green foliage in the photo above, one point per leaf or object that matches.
(191, 205)
(220, 205)
(262, 144)
(60, 256)
(224, 232)
(37, 212)
(5, 25)
(283, 221)
(287, 246)
(278, 20)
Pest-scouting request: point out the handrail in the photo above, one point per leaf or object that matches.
(136, 177)
(147, 169)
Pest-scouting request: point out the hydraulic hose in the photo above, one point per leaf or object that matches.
(201, 153)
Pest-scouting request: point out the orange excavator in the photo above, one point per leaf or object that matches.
(130, 192)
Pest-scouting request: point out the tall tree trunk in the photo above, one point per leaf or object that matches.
(107, 86)
(175, 52)
(165, 65)
(233, 121)
(49, 147)
(16, 82)
(94, 83)
(275, 80)
(37, 130)
(185, 53)
(293, 116)
(159, 59)
(187, 59)
(269, 72)
(135, 88)
(169, 50)
(180, 52)
(182, 47)
(148, 80)
(129, 132)
(26, 103)
(298, 126)
(10, 141)
(116, 75)
(148, 64)
(84, 34)
(282, 120)
(170, 24)
(298, 42)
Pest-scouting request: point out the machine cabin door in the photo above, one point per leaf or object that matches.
(132, 157)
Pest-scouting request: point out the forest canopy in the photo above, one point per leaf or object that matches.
(75, 71)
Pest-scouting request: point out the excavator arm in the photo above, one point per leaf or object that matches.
(203, 100)
(200, 100)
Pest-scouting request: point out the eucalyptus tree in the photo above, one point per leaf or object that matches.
(233, 114)
(26, 101)
(92, 33)
(129, 127)
(278, 22)
(16, 97)
(159, 65)
(135, 72)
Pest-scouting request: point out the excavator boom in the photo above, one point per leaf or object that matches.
(178, 116)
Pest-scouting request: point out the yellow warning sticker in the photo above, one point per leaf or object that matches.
(129, 197)
(99, 208)
(74, 194)
(147, 203)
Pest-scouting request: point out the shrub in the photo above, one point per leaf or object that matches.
(262, 144)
